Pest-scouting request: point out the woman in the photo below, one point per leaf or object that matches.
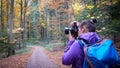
(73, 53)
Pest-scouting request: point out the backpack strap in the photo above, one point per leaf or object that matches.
(85, 47)
(81, 44)
(99, 42)
(90, 63)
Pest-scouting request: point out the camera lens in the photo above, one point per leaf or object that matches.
(73, 29)
(66, 30)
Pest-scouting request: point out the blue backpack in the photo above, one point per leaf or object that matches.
(99, 55)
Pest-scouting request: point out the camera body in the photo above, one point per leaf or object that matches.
(73, 29)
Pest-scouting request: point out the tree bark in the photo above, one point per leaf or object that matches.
(7, 12)
(25, 24)
(11, 25)
(21, 26)
(2, 24)
(11, 21)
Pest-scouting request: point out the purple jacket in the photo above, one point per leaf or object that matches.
(73, 53)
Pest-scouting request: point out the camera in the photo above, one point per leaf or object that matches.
(73, 29)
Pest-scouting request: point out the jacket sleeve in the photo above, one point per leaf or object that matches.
(68, 45)
(70, 54)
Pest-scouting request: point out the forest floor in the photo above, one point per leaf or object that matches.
(16, 61)
(56, 56)
(50, 59)
(41, 57)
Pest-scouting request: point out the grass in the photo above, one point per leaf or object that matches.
(23, 50)
(47, 45)
(31, 41)
(20, 51)
(51, 46)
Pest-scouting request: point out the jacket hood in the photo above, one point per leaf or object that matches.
(90, 37)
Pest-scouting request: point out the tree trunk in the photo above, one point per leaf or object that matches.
(21, 34)
(28, 32)
(56, 22)
(25, 25)
(11, 25)
(2, 24)
(11, 21)
(7, 12)
(48, 21)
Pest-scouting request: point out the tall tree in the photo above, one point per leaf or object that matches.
(25, 23)
(11, 26)
(11, 20)
(7, 11)
(35, 14)
(21, 25)
(2, 26)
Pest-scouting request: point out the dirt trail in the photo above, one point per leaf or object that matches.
(39, 60)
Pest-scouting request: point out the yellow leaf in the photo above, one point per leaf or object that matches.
(78, 7)
(90, 7)
(43, 24)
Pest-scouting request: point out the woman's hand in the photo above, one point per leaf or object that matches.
(71, 38)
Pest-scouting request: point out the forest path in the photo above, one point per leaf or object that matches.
(39, 60)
